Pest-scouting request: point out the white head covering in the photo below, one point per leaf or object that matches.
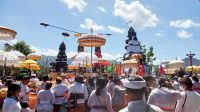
(63, 74)
(34, 75)
(134, 84)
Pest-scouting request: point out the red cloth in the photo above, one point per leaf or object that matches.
(142, 70)
(161, 70)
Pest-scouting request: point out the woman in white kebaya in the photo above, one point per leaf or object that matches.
(45, 99)
(11, 103)
(100, 100)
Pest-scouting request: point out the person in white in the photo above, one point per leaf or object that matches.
(11, 103)
(100, 100)
(190, 99)
(34, 78)
(81, 92)
(23, 95)
(59, 91)
(45, 78)
(64, 80)
(135, 88)
(45, 99)
(110, 85)
(164, 97)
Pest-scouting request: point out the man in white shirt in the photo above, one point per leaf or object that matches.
(23, 95)
(81, 92)
(164, 97)
(59, 91)
(135, 88)
(190, 99)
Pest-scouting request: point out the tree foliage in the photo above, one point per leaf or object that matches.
(22, 47)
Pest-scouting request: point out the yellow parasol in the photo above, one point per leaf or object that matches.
(27, 62)
(32, 67)
(34, 56)
(192, 68)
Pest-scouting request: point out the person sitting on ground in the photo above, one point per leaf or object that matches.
(135, 89)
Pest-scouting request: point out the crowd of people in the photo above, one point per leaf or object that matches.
(106, 93)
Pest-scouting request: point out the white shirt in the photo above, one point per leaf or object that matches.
(164, 98)
(110, 87)
(140, 106)
(36, 80)
(23, 96)
(59, 92)
(79, 88)
(192, 102)
(11, 105)
(104, 100)
(45, 101)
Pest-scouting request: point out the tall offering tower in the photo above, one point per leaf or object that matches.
(60, 64)
(133, 45)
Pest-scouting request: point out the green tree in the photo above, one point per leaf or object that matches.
(150, 54)
(22, 47)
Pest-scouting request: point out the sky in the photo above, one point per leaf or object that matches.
(172, 27)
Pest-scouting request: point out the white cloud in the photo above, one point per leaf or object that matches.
(117, 57)
(76, 4)
(183, 34)
(89, 23)
(185, 23)
(159, 34)
(135, 12)
(102, 9)
(115, 29)
(46, 52)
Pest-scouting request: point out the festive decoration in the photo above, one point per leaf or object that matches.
(133, 45)
(60, 64)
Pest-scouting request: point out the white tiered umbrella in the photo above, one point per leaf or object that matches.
(9, 59)
(83, 58)
(21, 56)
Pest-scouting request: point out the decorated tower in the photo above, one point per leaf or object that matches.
(133, 45)
(60, 64)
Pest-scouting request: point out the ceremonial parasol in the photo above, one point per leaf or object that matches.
(7, 33)
(8, 59)
(21, 56)
(92, 40)
(34, 56)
